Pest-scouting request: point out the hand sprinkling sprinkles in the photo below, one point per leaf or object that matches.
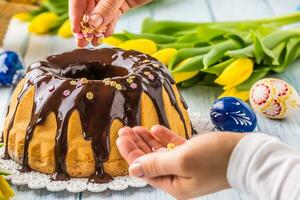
(90, 96)
(66, 93)
(88, 32)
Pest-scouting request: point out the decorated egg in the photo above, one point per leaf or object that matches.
(232, 114)
(274, 98)
(11, 68)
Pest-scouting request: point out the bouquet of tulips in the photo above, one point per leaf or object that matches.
(5, 190)
(51, 17)
(233, 55)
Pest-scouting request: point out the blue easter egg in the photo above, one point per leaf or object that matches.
(232, 114)
(11, 68)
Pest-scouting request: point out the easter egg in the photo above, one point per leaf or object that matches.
(232, 114)
(11, 68)
(274, 98)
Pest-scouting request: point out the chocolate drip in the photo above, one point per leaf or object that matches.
(60, 88)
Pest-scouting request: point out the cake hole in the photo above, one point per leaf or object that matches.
(93, 71)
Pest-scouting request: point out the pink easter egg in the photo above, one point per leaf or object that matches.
(274, 98)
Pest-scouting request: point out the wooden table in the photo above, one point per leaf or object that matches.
(199, 98)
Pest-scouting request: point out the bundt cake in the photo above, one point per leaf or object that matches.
(65, 113)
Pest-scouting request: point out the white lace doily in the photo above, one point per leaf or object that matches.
(36, 180)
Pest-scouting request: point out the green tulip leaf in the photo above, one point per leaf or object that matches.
(218, 51)
(183, 54)
(193, 64)
(217, 69)
(257, 74)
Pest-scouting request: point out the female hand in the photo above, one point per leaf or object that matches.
(194, 168)
(102, 14)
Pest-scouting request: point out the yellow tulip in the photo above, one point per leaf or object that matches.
(43, 23)
(236, 73)
(142, 45)
(165, 55)
(233, 92)
(23, 16)
(112, 41)
(5, 189)
(183, 76)
(65, 29)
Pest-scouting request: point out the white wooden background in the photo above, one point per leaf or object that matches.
(199, 98)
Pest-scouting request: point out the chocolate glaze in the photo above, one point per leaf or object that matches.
(60, 89)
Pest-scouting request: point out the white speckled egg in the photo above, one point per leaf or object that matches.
(274, 98)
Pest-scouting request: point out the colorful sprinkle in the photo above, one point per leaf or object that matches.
(171, 146)
(155, 65)
(51, 88)
(89, 95)
(99, 35)
(147, 73)
(66, 93)
(132, 77)
(151, 77)
(129, 80)
(146, 61)
(113, 83)
(79, 35)
(73, 82)
(118, 86)
(133, 85)
(84, 80)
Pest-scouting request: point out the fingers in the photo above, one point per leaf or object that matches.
(81, 42)
(111, 26)
(166, 136)
(153, 165)
(128, 149)
(104, 12)
(126, 131)
(148, 138)
(76, 11)
(97, 40)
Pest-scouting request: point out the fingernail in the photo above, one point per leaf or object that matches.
(95, 20)
(121, 131)
(79, 35)
(135, 169)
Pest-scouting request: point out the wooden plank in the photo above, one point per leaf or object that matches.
(23, 193)
(13, 42)
(280, 7)
(188, 10)
(224, 10)
(16, 37)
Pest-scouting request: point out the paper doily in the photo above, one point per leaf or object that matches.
(36, 180)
